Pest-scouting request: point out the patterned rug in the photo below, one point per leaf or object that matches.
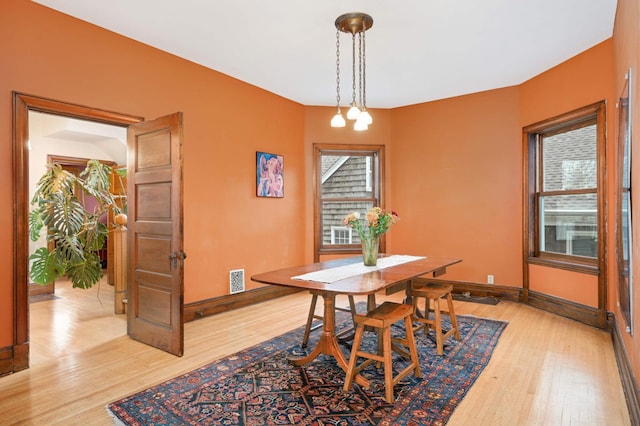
(257, 386)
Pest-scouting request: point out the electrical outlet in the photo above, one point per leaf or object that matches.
(489, 279)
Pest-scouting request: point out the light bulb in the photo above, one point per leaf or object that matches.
(353, 112)
(365, 116)
(338, 120)
(360, 125)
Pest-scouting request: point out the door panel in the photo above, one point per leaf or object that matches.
(156, 256)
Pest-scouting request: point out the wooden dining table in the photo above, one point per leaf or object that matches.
(365, 283)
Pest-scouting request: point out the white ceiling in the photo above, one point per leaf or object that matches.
(64, 136)
(417, 50)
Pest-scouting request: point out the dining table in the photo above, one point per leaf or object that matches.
(349, 276)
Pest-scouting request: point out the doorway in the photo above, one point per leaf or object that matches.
(59, 313)
(71, 142)
(24, 107)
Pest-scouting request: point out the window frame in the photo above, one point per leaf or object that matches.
(591, 114)
(377, 189)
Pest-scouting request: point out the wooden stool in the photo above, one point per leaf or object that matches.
(381, 318)
(435, 292)
(312, 315)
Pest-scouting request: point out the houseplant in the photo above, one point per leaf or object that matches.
(376, 223)
(74, 234)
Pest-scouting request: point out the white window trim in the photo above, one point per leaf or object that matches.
(368, 173)
(340, 228)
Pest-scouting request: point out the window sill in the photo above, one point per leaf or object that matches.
(342, 250)
(566, 265)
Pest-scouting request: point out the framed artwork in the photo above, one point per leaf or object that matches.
(269, 175)
(625, 287)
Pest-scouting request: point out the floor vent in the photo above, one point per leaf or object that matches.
(236, 281)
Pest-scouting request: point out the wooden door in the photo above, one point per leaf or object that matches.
(156, 256)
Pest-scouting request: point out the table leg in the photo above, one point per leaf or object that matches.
(371, 302)
(328, 343)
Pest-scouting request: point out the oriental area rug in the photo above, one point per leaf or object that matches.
(258, 386)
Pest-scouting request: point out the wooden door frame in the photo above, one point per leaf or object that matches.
(22, 104)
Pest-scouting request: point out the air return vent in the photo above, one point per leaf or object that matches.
(236, 281)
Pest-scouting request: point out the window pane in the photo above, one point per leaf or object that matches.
(334, 212)
(569, 160)
(625, 223)
(346, 176)
(568, 224)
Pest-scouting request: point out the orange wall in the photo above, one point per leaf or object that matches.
(48, 54)
(626, 37)
(456, 184)
(579, 288)
(582, 80)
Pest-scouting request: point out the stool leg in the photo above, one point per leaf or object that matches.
(353, 358)
(307, 328)
(452, 316)
(388, 366)
(416, 311)
(411, 341)
(438, 321)
(427, 314)
(380, 346)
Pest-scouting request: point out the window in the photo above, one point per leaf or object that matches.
(565, 183)
(567, 190)
(348, 179)
(340, 235)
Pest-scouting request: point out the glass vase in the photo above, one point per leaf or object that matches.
(370, 250)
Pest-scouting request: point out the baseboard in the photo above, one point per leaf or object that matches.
(568, 309)
(6, 361)
(629, 383)
(20, 357)
(14, 359)
(37, 289)
(205, 308)
(501, 292)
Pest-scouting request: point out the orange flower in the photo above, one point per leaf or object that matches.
(377, 222)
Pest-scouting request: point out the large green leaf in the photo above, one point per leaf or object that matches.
(69, 247)
(54, 181)
(96, 181)
(45, 266)
(35, 224)
(85, 274)
(94, 234)
(64, 215)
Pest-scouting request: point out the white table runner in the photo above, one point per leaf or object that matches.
(341, 272)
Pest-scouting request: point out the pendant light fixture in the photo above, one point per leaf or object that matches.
(356, 24)
(338, 119)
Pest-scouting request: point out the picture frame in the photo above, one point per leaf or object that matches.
(269, 175)
(624, 228)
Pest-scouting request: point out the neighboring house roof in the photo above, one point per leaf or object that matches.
(330, 164)
(569, 163)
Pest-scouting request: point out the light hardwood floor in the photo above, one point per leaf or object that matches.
(546, 370)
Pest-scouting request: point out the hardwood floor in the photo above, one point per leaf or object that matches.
(546, 370)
